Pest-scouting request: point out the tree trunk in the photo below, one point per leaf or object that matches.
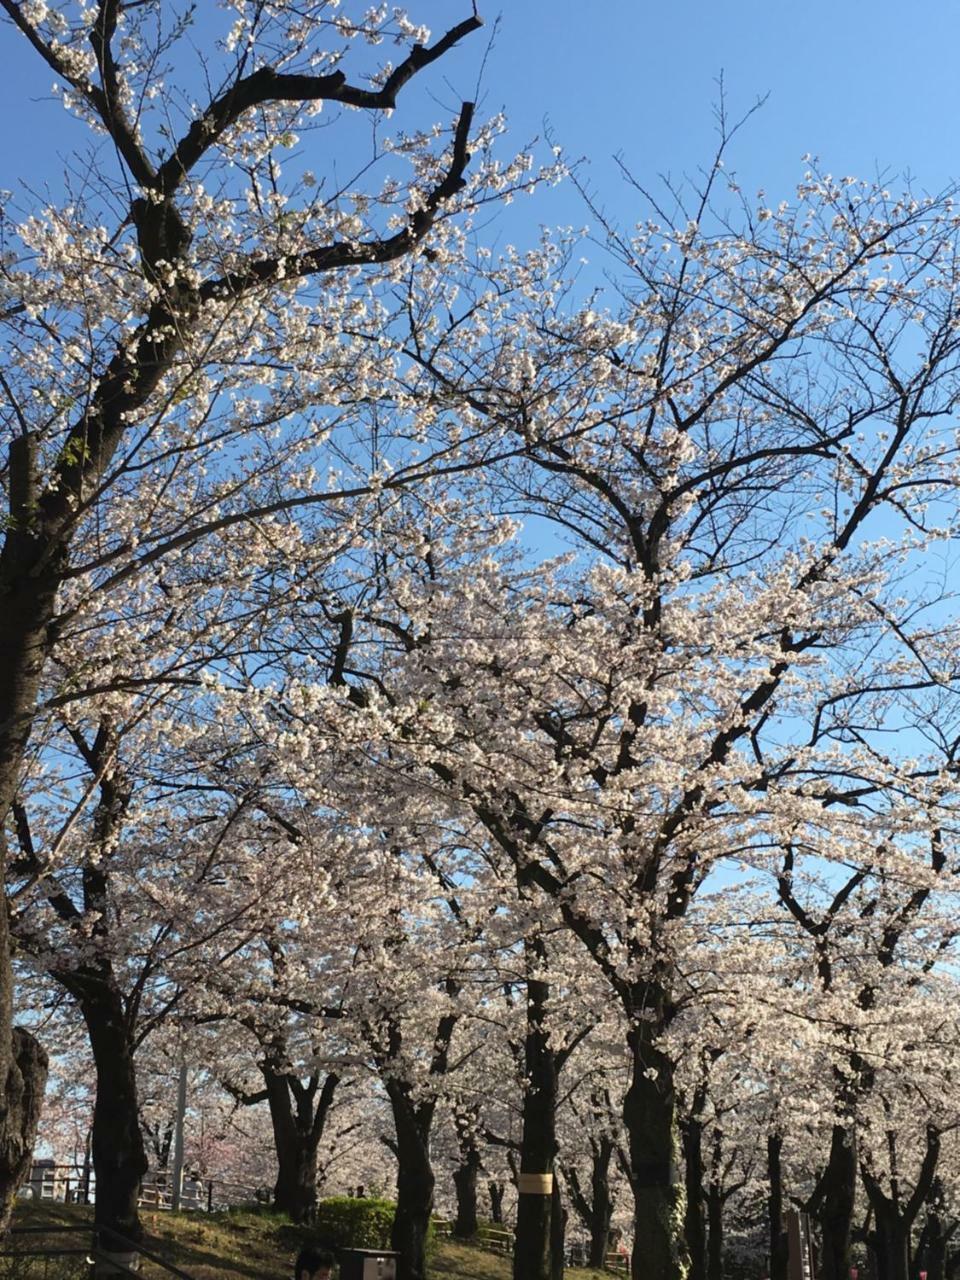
(558, 1232)
(715, 1232)
(538, 1150)
(695, 1227)
(650, 1118)
(894, 1217)
(27, 602)
(496, 1191)
(24, 1079)
(415, 1181)
(298, 1116)
(295, 1190)
(467, 1171)
(465, 1184)
(119, 1158)
(601, 1209)
(835, 1203)
(777, 1235)
(932, 1249)
(892, 1247)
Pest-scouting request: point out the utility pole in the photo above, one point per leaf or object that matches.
(178, 1137)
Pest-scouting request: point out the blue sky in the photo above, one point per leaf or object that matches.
(866, 86)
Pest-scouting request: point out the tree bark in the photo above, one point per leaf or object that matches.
(415, 1181)
(558, 1231)
(298, 1114)
(650, 1118)
(24, 1079)
(596, 1212)
(833, 1205)
(27, 605)
(496, 1191)
(466, 1174)
(777, 1235)
(714, 1231)
(895, 1217)
(602, 1208)
(538, 1150)
(931, 1253)
(119, 1158)
(695, 1227)
(892, 1247)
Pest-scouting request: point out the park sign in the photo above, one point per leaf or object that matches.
(799, 1247)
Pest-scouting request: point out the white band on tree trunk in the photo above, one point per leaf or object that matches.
(535, 1184)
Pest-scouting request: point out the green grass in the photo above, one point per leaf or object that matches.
(250, 1245)
(455, 1261)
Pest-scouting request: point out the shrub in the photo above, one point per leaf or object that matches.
(346, 1222)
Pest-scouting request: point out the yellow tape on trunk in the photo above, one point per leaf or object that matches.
(535, 1184)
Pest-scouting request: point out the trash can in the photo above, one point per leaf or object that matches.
(368, 1264)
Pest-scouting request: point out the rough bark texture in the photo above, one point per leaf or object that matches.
(27, 604)
(465, 1175)
(558, 1232)
(650, 1118)
(298, 1114)
(891, 1242)
(496, 1191)
(695, 1227)
(538, 1151)
(931, 1253)
(597, 1211)
(119, 1158)
(833, 1205)
(778, 1237)
(24, 1079)
(894, 1216)
(415, 1181)
(715, 1231)
(602, 1208)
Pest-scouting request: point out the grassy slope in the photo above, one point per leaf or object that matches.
(258, 1246)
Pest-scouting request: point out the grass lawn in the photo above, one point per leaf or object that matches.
(254, 1246)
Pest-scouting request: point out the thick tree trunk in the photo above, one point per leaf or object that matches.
(777, 1235)
(23, 1079)
(465, 1184)
(892, 1247)
(538, 1150)
(895, 1217)
(932, 1250)
(695, 1227)
(600, 1210)
(26, 602)
(295, 1190)
(119, 1158)
(30, 574)
(650, 1118)
(298, 1115)
(835, 1203)
(415, 1181)
(467, 1172)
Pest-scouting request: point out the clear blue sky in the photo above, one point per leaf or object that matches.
(866, 86)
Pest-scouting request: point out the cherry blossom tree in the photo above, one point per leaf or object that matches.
(745, 460)
(144, 312)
